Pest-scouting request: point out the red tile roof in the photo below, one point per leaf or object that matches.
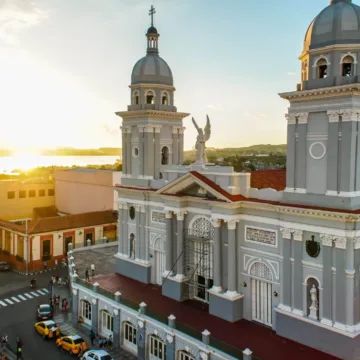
(264, 179)
(44, 212)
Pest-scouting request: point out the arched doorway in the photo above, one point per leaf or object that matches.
(159, 259)
(261, 293)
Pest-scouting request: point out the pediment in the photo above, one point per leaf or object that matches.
(190, 185)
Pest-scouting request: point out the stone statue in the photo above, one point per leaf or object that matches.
(314, 303)
(202, 138)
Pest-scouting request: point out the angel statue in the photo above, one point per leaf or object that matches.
(202, 138)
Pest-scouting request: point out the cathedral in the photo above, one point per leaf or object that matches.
(280, 250)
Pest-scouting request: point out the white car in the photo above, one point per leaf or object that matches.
(97, 355)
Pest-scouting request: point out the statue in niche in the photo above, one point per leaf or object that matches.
(132, 246)
(202, 138)
(314, 303)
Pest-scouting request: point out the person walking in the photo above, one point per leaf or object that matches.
(19, 353)
(92, 337)
(45, 265)
(87, 277)
(92, 269)
(4, 341)
(56, 263)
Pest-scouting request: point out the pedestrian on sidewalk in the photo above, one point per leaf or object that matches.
(56, 263)
(4, 341)
(87, 277)
(19, 353)
(100, 342)
(92, 336)
(110, 342)
(45, 265)
(92, 269)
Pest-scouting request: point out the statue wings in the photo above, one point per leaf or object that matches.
(207, 129)
(196, 126)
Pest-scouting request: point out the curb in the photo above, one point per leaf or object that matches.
(35, 272)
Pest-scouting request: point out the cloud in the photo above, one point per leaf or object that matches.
(255, 116)
(16, 15)
(217, 107)
(290, 73)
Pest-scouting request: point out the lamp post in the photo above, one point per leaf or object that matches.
(27, 249)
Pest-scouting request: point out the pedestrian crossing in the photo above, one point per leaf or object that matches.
(13, 300)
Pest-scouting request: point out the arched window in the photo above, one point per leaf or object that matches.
(322, 68)
(130, 334)
(132, 246)
(347, 66)
(201, 227)
(85, 311)
(164, 98)
(136, 98)
(157, 348)
(165, 155)
(185, 355)
(150, 97)
(260, 270)
(107, 323)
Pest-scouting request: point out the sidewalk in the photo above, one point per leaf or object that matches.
(64, 321)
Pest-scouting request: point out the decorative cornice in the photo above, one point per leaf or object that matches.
(125, 129)
(180, 215)
(327, 240)
(178, 130)
(148, 86)
(157, 113)
(302, 118)
(169, 215)
(350, 115)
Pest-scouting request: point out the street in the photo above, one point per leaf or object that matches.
(17, 318)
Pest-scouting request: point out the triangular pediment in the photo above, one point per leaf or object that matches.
(190, 185)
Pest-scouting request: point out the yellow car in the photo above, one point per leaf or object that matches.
(72, 344)
(48, 329)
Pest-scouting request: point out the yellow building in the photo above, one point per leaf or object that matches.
(19, 198)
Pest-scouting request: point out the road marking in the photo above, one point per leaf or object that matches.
(46, 290)
(34, 293)
(28, 295)
(2, 303)
(22, 297)
(40, 292)
(9, 301)
(15, 299)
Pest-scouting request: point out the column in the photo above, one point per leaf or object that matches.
(332, 153)
(142, 234)
(124, 154)
(117, 327)
(340, 283)
(141, 150)
(125, 236)
(157, 152)
(217, 253)
(327, 285)
(75, 307)
(285, 268)
(301, 152)
(137, 233)
(181, 146)
(291, 152)
(350, 284)
(180, 250)
(120, 226)
(128, 150)
(231, 291)
(95, 315)
(169, 244)
(298, 252)
(175, 146)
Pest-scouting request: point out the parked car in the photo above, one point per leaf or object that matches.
(44, 312)
(72, 344)
(97, 355)
(4, 266)
(48, 329)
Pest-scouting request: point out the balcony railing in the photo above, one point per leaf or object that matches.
(97, 242)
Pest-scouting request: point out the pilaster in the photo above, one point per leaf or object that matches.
(95, 315)
(125, 230)
(291, 152)
(120, 226)
(143, 234)
(217, 287)
(285, 268)
(137, 233)
(350, 284)
(333, 153)
(128, 150)
(340, 316)
(75, 307)
(181, 146)
(149, 150)
(124, 154)
(232, 288)
(297, 279)
(117, 329)
(157, 152)
(180, 245)
(169, 244)
(142, 155)
(327, 286)
(175, 152)
(301, 152)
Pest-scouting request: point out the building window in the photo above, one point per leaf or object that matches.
(164, 98)
(150, 97)
(348, 66)
(11, 194)
(130, 336)
(32, 193)
(42, 192)
(322, 68)
(86, 311)
(165, 155)
(135, 152)
(20, 246)
(46, 250)
(132, 246)
(107, 322)
(136, 98)
(51, 192)
(22, 194)
(132, 212)
(157, 348)
(68, 240)
(184, 355)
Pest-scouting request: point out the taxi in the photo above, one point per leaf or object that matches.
(48, 329)
(72, 344)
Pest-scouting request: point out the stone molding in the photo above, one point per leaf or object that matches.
(357, 243)
(216, 222)
(286, 233)
(297, 234)
(340, 242)
(178, 130)
(319, 57)
(327, 240)
(169, 215)
(157, 113)
(126, 129)
(302, 118)
(346, 114)
(353, 55)
(180, 215)
(122, 205)
(231, 224)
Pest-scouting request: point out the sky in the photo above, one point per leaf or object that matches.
(65, 67)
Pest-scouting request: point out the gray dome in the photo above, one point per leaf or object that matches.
(152, 69)
(338, 23)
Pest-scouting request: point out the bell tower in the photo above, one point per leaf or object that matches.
(323, 147)
(152, 129)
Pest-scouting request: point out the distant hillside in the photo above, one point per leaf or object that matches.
(82, 152)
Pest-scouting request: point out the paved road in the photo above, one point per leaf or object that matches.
(19, 314)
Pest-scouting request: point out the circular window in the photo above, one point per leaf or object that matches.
(135, 152)
(132, 213)
(312, 247)
(317, 150)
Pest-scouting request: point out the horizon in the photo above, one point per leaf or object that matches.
(66, 72)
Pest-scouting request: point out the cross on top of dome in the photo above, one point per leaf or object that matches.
(152, 12)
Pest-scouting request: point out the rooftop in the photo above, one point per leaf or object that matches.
(265, 344)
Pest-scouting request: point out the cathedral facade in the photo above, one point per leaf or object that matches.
(284, 252)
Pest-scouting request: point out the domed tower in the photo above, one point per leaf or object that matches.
(323, 150)
(152, 129)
